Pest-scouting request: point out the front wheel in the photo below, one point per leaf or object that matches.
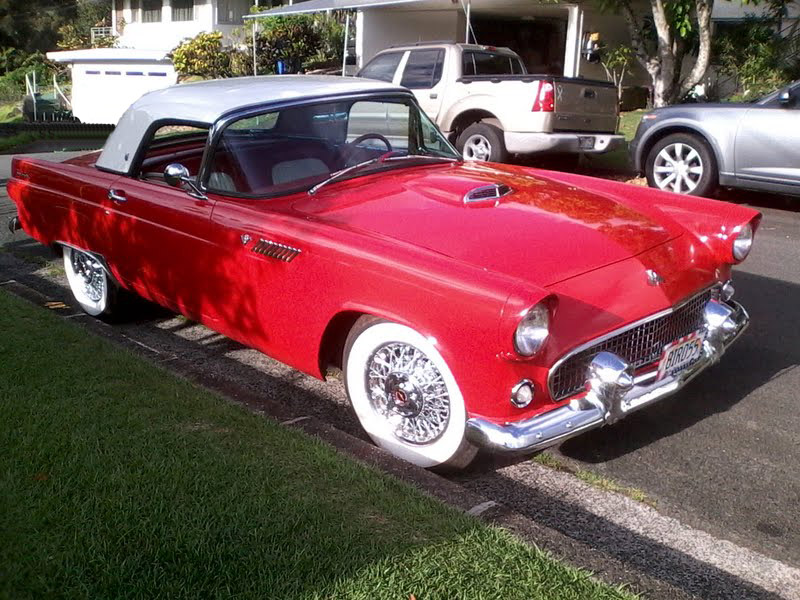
(682, 163)
(405, 396)
(482, 142)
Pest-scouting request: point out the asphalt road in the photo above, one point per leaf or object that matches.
(723, 456)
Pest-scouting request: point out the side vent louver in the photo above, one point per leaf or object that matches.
(276, 250)
(487, 194)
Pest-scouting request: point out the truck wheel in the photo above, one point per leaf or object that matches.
(482, 142)
(682, 163)
(405, 396)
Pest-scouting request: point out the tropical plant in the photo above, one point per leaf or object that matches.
(292, 40)
(202, 56)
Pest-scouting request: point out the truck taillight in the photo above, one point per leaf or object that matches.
(545, 99)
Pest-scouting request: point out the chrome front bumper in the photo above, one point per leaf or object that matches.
(612, 390)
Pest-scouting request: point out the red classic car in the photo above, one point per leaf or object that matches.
(326, 222)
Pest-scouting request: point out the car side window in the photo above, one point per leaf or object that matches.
(173, 143)
(382, 67)
(423, 69)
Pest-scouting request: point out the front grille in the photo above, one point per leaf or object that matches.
(640, 346)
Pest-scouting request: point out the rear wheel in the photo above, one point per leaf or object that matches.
(90, 285)
(482, 142)
(405, 396)
(682, 163)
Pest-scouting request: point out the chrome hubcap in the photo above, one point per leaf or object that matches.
(477, 147)
(678, 168)
(91, 275)
(407, 390)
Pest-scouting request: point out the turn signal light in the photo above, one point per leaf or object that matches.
(545, 100)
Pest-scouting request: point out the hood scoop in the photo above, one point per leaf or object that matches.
(486, 195)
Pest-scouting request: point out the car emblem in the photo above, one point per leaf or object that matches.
(245, 239)
(559, 93)
(654, 278)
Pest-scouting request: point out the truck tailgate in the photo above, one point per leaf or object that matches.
(582, 105)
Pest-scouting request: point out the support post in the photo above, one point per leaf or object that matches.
(469, 23)
(255, 61)
(346, 40)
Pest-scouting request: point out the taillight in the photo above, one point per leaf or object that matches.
(545, 100)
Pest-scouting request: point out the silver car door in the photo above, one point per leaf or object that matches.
(768, 144)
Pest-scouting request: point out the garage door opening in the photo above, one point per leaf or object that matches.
(540, 41)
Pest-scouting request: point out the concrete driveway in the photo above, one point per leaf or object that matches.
(722, 457)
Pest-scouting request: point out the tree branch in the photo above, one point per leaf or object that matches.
(704, 8)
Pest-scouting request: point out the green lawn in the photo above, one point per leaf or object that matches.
(120, 481)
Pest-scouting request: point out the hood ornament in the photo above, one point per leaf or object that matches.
(654, 278)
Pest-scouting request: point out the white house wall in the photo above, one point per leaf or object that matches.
(378, 29)
(167, 34)
(101, 92)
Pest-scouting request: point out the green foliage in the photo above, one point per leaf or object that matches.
(12, 83)
(202, 56)
(617, 62)
(294, 39)
(756, 55)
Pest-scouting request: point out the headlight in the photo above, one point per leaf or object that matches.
(532, 331)
(743, 242)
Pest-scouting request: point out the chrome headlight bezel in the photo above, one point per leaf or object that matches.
(532, 331)
(742, 243)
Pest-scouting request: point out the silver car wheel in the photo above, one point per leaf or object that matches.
(477, 147)
(678, 168)
(87, 280)
(407, 390)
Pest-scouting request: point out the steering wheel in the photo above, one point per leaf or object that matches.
(372, 136)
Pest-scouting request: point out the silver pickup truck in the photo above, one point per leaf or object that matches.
(490, 107)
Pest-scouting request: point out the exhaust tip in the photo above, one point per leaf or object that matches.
(14, 225)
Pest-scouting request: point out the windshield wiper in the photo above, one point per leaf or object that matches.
(384, 158)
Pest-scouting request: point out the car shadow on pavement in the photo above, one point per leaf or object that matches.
(639, 553)
(769, 347)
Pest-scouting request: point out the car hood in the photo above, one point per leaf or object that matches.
(543, 232)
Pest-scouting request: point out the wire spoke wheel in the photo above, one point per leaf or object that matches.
(407, 390)
(91, 274)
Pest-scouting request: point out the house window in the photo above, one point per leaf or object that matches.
(151, 11)
(183, 10)
(231, 11)
(135, 5)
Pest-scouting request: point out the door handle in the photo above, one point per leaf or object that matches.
(116, 196)
(434, 96)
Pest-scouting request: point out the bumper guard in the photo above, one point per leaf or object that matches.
(612, 391)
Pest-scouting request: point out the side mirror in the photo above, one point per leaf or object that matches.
(786, 98)
(176, 175)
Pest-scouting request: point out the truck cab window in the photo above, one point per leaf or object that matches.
(423, 69)
(382, 67)
(490, 63)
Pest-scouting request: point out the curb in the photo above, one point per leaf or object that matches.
(576, 553)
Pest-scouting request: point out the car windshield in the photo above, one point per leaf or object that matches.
(296, 148)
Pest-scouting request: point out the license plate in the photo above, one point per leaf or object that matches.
(680, 354)
(586, 142)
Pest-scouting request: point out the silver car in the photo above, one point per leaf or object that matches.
(695, 148)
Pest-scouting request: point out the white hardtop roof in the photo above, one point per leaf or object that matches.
(206, 101)
(107, 55)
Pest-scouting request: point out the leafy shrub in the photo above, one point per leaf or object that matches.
(293, 39)
(202, 56)
(758, 57)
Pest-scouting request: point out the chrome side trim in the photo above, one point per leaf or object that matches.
(275, 250)
(616, 332)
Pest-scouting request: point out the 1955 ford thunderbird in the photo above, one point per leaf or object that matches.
(326, 222)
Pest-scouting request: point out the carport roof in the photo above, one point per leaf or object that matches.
(322, 5)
